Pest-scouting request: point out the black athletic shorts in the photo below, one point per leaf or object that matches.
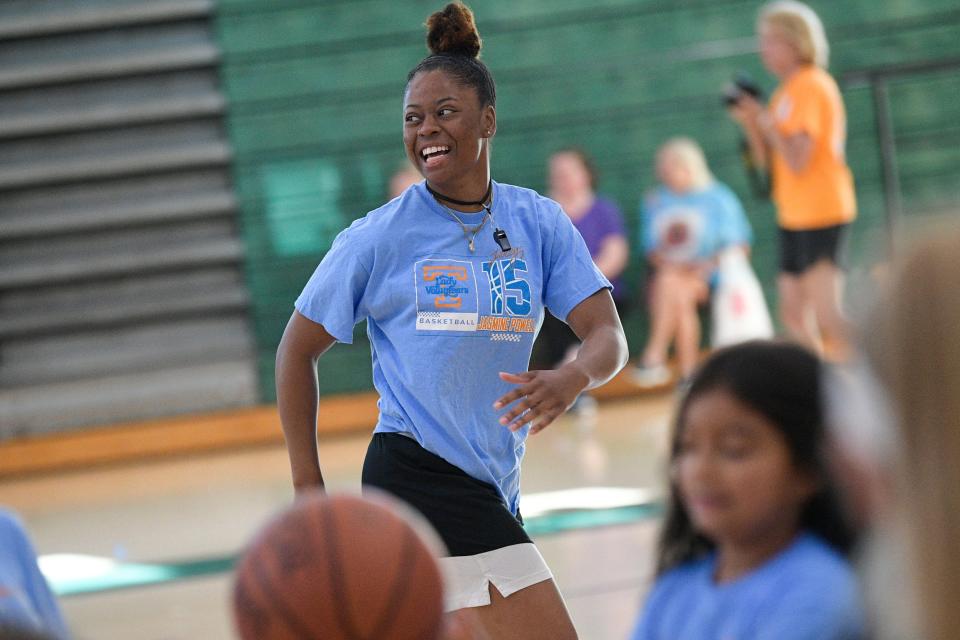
(800, 250)
(469, 514)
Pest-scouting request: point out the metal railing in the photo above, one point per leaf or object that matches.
(878, 79)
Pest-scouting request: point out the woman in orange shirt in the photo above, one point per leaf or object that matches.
(801, 136)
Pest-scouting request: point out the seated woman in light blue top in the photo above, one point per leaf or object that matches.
(754, 543)
(686, 223)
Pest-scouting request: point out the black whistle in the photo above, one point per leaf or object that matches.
(500, 237)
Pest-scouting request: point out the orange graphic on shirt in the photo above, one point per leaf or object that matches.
(506, 323)
(432, 272)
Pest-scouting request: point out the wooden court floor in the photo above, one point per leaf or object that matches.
(209, 504)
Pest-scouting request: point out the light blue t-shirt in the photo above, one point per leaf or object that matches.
(693, 226)
(443, 322)
(26, 602)
(807, 592)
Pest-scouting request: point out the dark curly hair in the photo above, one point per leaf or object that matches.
(454, 44)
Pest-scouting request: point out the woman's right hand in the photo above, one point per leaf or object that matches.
(746, 111)
(752, 117)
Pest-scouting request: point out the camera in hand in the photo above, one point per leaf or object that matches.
(741, 85)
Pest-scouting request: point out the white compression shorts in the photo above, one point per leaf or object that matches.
(509, 569)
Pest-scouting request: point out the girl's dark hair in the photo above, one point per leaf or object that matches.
(585, 159)
(454, 44)
(781, 381)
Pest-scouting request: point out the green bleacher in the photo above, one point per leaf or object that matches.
(314, 116)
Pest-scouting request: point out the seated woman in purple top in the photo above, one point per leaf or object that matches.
(572, 184)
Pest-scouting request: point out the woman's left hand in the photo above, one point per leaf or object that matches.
(541, 397)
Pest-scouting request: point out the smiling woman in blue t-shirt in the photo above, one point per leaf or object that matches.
(453, 277)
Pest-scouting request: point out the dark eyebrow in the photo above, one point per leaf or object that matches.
(738, 430)
(440, 101)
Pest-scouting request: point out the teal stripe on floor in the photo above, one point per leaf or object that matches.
(128, 575)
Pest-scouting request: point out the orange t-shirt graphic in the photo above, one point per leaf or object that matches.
(822, 194)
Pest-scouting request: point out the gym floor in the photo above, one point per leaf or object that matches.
(201, 507)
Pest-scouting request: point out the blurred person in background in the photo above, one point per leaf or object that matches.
(896, 416)
(573, 181)
(800, 136)
(686, 223)
(28, 607)
(405, 176)
(754, 543)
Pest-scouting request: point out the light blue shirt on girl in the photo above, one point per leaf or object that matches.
(806, 592)
(693, 226)
(26, 602)
(444, 321)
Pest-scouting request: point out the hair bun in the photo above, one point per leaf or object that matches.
(452, 31)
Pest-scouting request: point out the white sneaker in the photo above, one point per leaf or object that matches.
(652, 376)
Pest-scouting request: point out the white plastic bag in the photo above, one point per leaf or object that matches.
(739, 311)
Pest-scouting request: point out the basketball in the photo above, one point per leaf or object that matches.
(338, 567)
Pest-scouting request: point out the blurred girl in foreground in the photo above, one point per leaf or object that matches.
(754, 544)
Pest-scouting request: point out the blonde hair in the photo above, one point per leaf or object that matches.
(914, 347)
(689, 153)
(802, 28)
